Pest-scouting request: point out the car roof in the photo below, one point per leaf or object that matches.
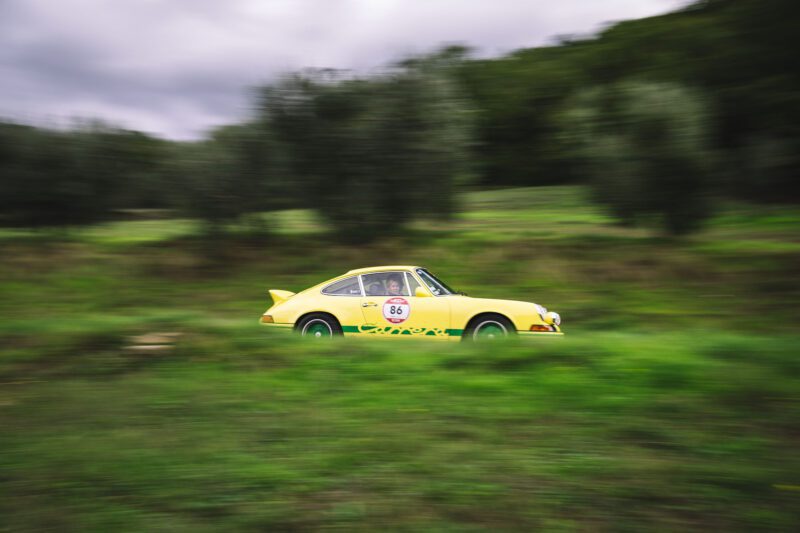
(381, 269)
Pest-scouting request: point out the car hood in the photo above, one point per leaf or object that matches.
(498, 304)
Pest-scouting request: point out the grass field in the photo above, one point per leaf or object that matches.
(672, 403)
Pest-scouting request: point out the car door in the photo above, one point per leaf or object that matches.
(401, 312)
(342, 298)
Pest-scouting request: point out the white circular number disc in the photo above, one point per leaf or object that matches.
(396, 310)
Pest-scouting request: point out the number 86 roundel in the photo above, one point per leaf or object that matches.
(396, 310)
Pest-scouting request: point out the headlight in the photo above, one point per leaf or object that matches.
(541, 310)
(553, 318)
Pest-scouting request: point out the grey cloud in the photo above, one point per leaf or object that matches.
(178, 67)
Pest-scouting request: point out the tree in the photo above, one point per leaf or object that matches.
(644, 148)
(63, 178)
(226, 178)
(371, 154)
(50, 178)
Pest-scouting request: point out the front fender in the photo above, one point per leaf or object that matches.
(521, 314)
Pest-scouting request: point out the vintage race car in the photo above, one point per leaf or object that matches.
(403, 301)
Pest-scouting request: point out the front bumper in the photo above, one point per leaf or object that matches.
(555, 332)
(531, 334)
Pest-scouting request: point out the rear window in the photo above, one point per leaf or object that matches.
(343, 287)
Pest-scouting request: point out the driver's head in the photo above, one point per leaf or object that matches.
(394, 284)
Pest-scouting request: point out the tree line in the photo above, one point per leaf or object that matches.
(660, 116)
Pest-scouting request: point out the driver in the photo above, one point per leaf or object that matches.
(394, 285)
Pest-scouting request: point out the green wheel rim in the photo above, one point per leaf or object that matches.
(489, 331)
(317, 328)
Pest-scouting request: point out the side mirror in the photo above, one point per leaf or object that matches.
(421, 293)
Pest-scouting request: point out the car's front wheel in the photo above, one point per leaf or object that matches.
(319, 325)
(488, 328)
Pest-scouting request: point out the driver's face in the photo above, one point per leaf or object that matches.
(394, 287)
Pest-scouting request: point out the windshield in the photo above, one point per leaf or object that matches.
(437, 286)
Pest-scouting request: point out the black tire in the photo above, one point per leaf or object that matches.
(318, 325)
(489, 326)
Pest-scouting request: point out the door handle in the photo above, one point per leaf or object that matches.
(369, 304)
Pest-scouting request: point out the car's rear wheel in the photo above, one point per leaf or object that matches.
(319, 325)
(489, 327)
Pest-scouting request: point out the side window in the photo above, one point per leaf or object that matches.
(385, 284)
(343, 287)
(412, 283)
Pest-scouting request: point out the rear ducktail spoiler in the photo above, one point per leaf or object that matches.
(279, 296)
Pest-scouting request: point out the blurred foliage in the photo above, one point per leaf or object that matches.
(739, 53)
(62, 178)
(228, 177)
(372, 153)
(226, 431)
(644, 148)
(672, 403)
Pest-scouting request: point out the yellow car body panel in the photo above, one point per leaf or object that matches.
(443, 317)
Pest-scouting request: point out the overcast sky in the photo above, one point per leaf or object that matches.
(176, 68)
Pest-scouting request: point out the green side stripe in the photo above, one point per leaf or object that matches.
(356, 329)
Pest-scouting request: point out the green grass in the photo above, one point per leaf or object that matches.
(605, 431)
(672, 403)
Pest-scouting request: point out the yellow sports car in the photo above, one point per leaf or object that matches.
(403, 301)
